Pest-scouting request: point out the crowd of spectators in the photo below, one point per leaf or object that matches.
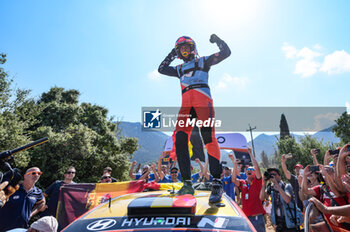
(323, 187)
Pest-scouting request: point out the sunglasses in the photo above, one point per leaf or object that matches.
(106, 177)
(70, 172)
(250, 169)
(33, 173)
(173, 172)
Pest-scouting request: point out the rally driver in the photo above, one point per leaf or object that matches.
(197, 102)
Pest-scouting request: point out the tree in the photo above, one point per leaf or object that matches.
(12, 125)
(342, 128)
(300, 151)
(284, 130)
(80, 135)
(264, 160)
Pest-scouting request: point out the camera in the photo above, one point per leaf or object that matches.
(267, 175)
(334, 152)
(314, 168)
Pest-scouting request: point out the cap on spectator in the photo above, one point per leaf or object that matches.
(108, 169)
(45, 224)
(174, 168)
(226, 168)
(298, 166)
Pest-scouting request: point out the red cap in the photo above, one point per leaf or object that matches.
(298, 166)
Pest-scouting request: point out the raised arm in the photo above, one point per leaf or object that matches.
(306, 190)
(314, 158)
(164, 67)
(255, 164)
(131, 171)
(234, 176)
(156, 178)
(284, 167)
(326, 158)
(341, 167)
(160, 172)
(221, 55)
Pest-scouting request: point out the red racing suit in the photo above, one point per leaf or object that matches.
(196, 103)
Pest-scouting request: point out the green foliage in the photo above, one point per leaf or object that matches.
(300, 151)
(342, 129)
(264, 160)
(80, 135)
(12, 126)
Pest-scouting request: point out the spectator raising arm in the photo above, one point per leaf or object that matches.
(255, 164)
(235, 166)
(156, 178)
(306, 190)
(341, 165)
(160, 172)
(131, 171)
(284, 167)
(326, 158)
(314, 158)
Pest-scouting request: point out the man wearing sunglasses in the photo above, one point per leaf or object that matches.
(250, 189)
(106, 178)
(53, 192)
(27, 201)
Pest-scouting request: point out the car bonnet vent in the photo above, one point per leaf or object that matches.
(162, 204)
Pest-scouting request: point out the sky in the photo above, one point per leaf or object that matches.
(284, 53)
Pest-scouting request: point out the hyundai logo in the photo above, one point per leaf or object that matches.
(101, 224)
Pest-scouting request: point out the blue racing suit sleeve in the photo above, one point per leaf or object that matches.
(219, 56)
(164, 67)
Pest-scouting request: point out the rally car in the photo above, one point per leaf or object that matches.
(163, 210)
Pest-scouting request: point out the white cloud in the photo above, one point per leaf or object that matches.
(306, 60)
(323, 121)
(289, 51)
(308, 54)
(306, 67)
(228, 82)
(337, 62)
(154, 75)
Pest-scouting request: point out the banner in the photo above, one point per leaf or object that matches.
(77, 199)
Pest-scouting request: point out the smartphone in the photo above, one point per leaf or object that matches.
(334, 152)
(314, 168)
(317, 151)
(348, 148)
(301, 172)
(288, 156)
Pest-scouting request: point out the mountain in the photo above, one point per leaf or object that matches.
(327, 136)
(151, 143)
(267, 143)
